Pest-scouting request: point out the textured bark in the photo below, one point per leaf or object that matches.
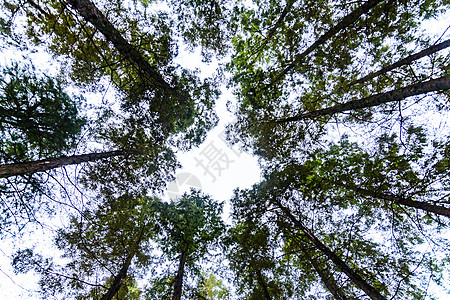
(178, 287)
(345, 22)
(370, 291)
(406, 201)
(263, 285)
(93, 15)
(32, 167)
(118, 279)
(405, 61)
(439, 84)
(329, 283)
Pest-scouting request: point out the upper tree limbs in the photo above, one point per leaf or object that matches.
(439, 84)
(90, 13)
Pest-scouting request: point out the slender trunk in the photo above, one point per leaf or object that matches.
(402, 62)
(35, 5)
(274, 28)
(178, 287)
(117, 282)
(329, 282)
(32, 167)
(345, 22)
(406, 201)
(353, 276)
(263, 285)
(93, 15)
(439, 84)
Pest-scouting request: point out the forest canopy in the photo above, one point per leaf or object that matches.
(345, 105)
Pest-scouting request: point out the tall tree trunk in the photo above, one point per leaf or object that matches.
(178, 287)
(32, 167)
(354, 277)
(328, 281)
(439, 84)
(277, 24)
(118, 279)
(406, 201)
(345, 22)
(402, 62)
(263, 285)
(93, 15)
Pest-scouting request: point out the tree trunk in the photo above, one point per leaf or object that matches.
(329, 282)
(35, 5)
(345, 22)
(439, 84)
(263, 285)
(117, 282)
(178, 287)
(277, 24)
(405, 61)
(93, 15)
(432, 208)
(32, 167)
(354, 277)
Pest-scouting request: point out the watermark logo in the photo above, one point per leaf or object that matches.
(183, 183)
(214, 159)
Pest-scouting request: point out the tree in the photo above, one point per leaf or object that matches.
(439, 84)
(136, 55)
(340, 230)
(405, 61)
(211, 288)
(276, 82)
(105, 249)
(253, 249)
(344, 267)
(388, 175)
(37, 118)
(9, 170)
(190, 226)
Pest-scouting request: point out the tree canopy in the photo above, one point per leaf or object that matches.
(344, 103)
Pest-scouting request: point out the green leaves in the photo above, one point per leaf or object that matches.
(37, 118)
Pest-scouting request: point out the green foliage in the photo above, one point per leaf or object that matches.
(349, 198)
(205, 23)
(190, 224)
(181, 107)
(381, 246)
(191, 227)
(273, 79)
(210, 288)
(97, 245)
(37, 118)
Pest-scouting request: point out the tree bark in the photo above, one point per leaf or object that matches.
(32, 167)
(263, 285)
(345, 22)
(329, 283)
(402, 62)
(93, 15)
(439, 84)
(117, 282)
(354, 277)
(406, 201)
(178, 287)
